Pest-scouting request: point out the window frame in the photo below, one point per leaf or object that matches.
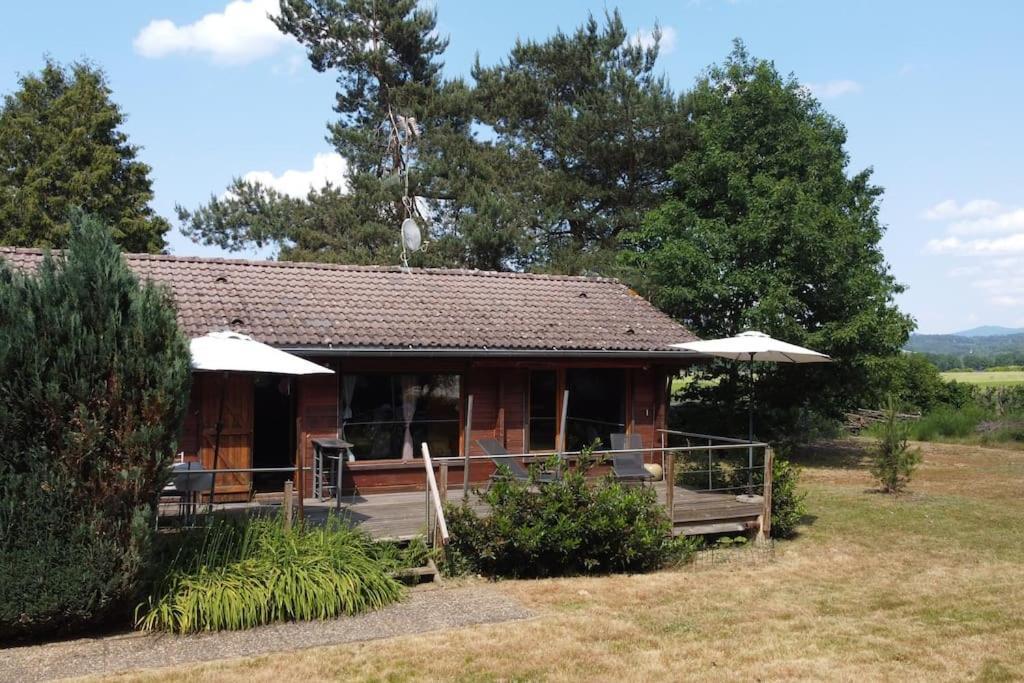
(391, 375)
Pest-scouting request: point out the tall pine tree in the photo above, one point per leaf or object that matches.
(594, 129)
(404, 131)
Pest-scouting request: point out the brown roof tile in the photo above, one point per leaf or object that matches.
(313, 304)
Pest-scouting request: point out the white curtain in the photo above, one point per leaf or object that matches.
(348, 388)
(409, 391)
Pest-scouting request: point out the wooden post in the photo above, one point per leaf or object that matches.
(442, 494)
(287, 504)
(766, 522)
(466, 443)
(670, 486)
(562, 425)
(300, 469)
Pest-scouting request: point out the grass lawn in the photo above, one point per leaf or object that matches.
(926, 586)
(999, 378)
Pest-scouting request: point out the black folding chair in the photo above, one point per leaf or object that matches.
(516, 471)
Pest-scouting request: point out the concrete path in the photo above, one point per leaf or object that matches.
(426, 609)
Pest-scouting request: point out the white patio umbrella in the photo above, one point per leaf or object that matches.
(232, 352)
(754, 346)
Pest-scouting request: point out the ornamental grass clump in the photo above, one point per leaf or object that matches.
(567, 527)
(237, 575)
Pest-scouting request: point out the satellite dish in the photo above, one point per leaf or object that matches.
(412, 239)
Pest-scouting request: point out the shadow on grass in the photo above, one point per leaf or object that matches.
(833, 454)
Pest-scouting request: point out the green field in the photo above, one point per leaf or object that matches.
(1001, 378)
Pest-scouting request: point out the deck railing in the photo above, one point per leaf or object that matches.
(191, 500)
(434, 498)
(679, 465)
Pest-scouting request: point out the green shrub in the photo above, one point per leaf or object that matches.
(236, 575)
(943, 423)
(94, 375)
(894, 461)
(568, 527)
(910, 378)
(788, 506)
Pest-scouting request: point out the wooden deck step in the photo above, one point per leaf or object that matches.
(712, 528)
(428, 572)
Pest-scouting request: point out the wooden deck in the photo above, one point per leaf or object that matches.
(402, 516)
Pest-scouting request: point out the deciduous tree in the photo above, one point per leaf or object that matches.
(765, 229)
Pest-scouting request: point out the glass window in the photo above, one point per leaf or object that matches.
(387, 417)
(543, 409)
(597, 406)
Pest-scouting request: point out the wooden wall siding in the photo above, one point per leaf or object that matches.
(514, 382)
(643, 412)
(482, 383)
(663, 389)
(191, 430)
(499, 402)
(317, 407)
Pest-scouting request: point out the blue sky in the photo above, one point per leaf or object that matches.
(929, 91)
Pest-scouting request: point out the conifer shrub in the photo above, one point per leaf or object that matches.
(788, 506)
(571, 526)
(94, 374)
(894, 460)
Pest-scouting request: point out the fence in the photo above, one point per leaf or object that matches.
(188, 496)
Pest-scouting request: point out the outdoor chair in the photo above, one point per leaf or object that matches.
(629, 464)
(515, 468)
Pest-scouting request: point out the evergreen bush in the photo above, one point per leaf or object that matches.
(94, 375)
(571, 526)
(894, 460)
(788, 507)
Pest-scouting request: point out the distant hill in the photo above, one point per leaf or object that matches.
(967, 344)
(988, 331)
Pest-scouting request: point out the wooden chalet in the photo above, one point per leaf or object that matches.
(540, 363)
(409, 347)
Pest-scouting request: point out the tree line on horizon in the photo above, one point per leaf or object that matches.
(730, 205)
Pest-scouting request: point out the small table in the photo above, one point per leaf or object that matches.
(325, 449)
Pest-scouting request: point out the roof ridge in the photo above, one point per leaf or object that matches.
(319, 265)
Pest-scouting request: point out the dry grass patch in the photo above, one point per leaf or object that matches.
(926, 586)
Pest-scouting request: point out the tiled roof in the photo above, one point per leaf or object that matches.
(345, 307)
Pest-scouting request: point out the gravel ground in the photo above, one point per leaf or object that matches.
(424, 610)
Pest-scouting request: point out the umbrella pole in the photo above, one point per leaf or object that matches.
(216, 439)
(750, 430)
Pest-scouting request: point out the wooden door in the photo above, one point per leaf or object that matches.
(236, 434)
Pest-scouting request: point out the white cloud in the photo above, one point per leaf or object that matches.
(1011, 244)
(962, 271)
(240, 34)
(991, 232)
(951, 210)
(832, 89)
(328, 167)
(1007, 221)
(645, 39)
